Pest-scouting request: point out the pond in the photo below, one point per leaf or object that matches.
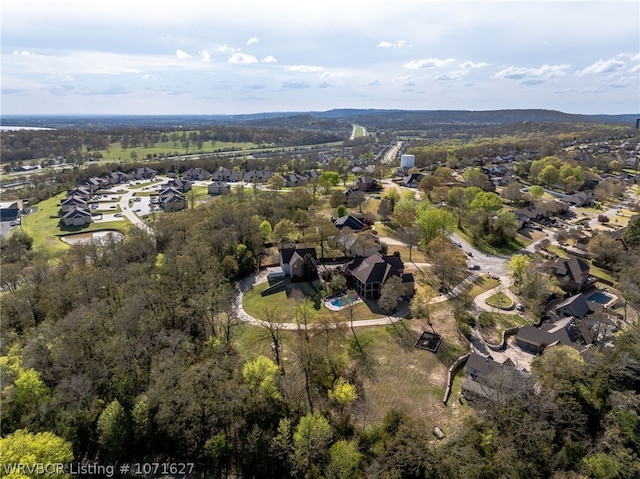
(90, 235)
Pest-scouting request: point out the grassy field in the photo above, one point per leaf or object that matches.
(46, 231)
(115, 152)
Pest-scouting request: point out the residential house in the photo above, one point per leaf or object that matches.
(225, 174)
(534, 339)
(488, 379)
(349, 221)
(81, 192)
(577, 306)
(71, 202)
(292, 260)
(180, 185)
(293, 179)
(355, 245)
(413, 180)
(218, 188)
(571, 273)
(94, 183)
(372, 272)
(117, 178)
(10, 210)
(257, 176)
(580, 198)
(196, 174)
(143, 173)
(366, 183)
(76, 217)
(172, 200)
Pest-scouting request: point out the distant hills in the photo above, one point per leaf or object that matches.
(370, 118)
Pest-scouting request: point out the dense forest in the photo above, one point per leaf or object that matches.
(129, 351)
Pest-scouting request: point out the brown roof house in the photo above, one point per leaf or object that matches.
(71, 202)
(370, 273)
(292, 260)
(571, 273)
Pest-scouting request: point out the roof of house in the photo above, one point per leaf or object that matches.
(573, 268)
(578, 306)
(376, 268)
(76, 212)
(349, 221)
(561, 331)
(290, 255)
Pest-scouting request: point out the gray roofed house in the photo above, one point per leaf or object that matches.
(292, 260)
(225, 174)
(577, 306)
(372, 272)
(10, 210)
(534, 339)
(76, 217)
(413, 180)
(349, 221)
(490, 380)
(72, 202)
(572, 273)
(218, 188)
(181, 185)
(196, 174)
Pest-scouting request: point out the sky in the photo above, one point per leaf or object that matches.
(248, 56)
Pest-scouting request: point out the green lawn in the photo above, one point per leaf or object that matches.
(43, 226)
(499, 300)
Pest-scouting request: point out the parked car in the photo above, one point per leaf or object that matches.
(458, 244)
(118, 215)
(519, 307)
(474, 267)
(469, 253)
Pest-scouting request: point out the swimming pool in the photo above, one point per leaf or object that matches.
(600, 297)
(343, 301)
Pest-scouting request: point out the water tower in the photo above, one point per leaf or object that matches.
(407, 161)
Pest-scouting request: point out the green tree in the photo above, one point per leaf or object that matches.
(341, 211)
(344, 460)
(261, 374)
(285, 230)
(266, 228)
(487, 203)
(631, 234)
(434, 222)
(310, 442)
(24, 447)
(389, 294)
(113, 428)
(405, 212)
(343, 393)
(518, 264)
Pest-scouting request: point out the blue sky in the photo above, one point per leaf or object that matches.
(246, 56)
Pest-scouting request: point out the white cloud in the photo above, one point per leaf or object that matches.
(149, 77)
(452, 75)
(405, 80)
(242, 58)
(304, 68)
(206, 57)
(427, 63)
(226, 49)
(468, 64)
(182, 55)
(24, 53)
(253, 40)
(532, 75)
(269, 59)
(397, 44)
(602, 66)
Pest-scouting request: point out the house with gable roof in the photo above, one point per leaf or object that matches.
(571, 273)
(196, 174)
(76, 217)
(372, 272)
(535, 339)
(349, 221)
(292, 260)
